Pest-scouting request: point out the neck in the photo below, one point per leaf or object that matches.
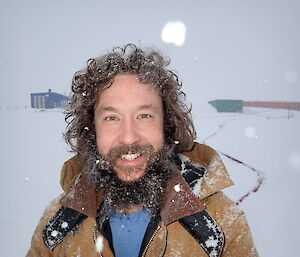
(131, 208)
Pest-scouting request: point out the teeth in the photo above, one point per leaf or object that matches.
(129, 157)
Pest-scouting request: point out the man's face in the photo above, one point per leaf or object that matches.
(129, 123)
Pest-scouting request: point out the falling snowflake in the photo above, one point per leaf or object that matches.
(177, 188)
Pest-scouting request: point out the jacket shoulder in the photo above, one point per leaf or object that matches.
(232, 220)
(38, 247)
(65, 220)
(206, 231)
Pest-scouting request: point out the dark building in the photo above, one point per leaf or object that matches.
(48, 100)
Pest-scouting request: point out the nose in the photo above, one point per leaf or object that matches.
(129, 133)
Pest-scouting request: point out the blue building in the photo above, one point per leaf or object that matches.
(48, 100)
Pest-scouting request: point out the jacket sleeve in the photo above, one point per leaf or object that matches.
(38, 247)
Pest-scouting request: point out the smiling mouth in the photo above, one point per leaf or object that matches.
(130, 157)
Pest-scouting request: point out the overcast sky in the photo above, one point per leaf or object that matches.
(233, 49)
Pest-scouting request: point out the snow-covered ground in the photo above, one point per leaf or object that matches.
(33, 151)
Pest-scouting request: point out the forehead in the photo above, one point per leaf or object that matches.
(126, 89)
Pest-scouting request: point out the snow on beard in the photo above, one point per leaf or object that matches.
(147, 190)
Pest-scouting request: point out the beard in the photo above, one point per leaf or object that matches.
(145, 192)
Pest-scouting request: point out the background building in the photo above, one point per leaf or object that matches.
(48, 100)
(224, 105)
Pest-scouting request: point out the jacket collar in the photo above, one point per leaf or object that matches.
(83, 197)
(178, 200)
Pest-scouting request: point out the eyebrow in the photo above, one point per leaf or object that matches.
(107, 109)
(147, 107)
(139, 108)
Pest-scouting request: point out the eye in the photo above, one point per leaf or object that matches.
(110, 118)
(144, 116)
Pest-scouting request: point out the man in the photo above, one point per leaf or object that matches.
(139, 185)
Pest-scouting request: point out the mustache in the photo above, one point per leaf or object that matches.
(116, 152)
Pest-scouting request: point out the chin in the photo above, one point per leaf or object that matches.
(130, 174)
(130, 177)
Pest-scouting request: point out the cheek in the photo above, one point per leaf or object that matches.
(156, 137)
(103, 141)
(159, 142)
(101, 145)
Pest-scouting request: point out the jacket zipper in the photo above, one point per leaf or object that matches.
(146, 248)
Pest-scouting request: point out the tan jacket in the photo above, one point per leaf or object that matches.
(171, 237)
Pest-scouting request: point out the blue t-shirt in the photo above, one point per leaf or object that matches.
(128, 232)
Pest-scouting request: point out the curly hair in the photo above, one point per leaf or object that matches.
(150, 66)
